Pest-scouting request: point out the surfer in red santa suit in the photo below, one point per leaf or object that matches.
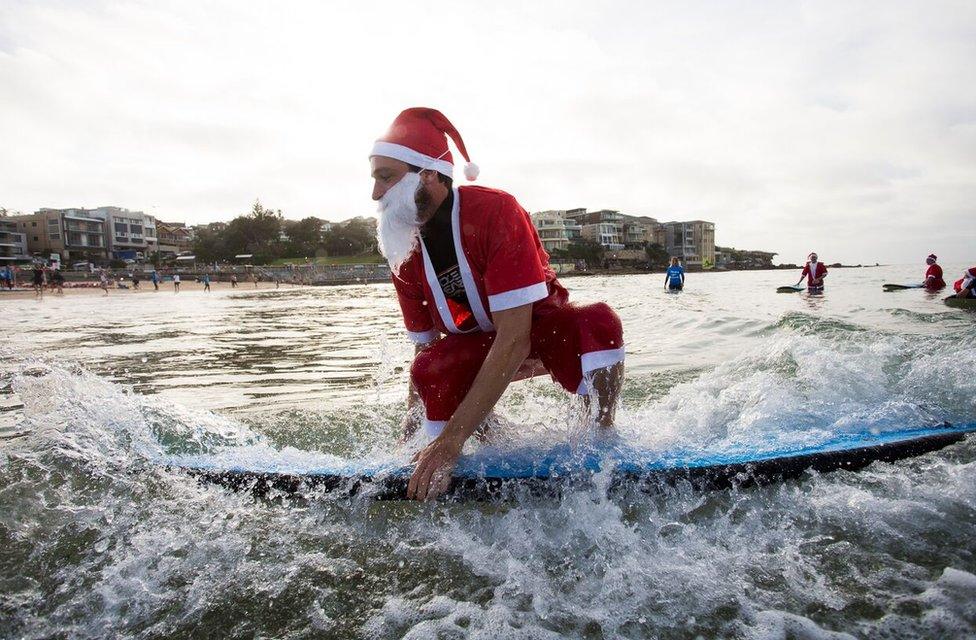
(478, 297)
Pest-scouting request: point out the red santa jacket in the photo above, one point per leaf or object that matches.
(821, 272)
(502, 264)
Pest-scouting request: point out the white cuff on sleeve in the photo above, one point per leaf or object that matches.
(423, 337)
(518, 297)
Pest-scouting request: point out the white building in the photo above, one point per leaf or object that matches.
(555, 231)
(131, 234)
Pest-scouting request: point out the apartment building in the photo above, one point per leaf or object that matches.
(131, 234)
(692, 241)
(603, 226)
(13, 243)
(638, 231)
(555, 231)
(173, 238)
(90, 234)
(71, 233)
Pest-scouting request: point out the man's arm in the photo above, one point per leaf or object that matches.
(510, 348)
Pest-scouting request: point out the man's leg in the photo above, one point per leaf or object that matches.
(582, 347)
(443, 374)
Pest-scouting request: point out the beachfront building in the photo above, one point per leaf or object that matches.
(555, 231)
(173, 238)
(13, 243)
(640, 231)
(71, 234)
(603, 226)
(131, 234)
(693, 241)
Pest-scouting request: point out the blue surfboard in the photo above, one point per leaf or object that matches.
(493, 473)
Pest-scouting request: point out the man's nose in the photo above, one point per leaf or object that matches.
(378, 190)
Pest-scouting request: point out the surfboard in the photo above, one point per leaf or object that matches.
(900, 287)
(496, 473)
(961, 303)
(789, 289)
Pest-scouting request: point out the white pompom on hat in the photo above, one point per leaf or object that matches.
(418, 136)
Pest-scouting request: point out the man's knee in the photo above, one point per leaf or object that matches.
(604, 323)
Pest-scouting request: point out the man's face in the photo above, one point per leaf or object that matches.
(386, 172)
(813, 257)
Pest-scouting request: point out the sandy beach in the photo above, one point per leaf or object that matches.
(145, 287)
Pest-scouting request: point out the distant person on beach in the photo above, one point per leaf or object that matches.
(233, 281)
(206, 282)
(674, 277)
(478, 297)
(103, 280)
(57, 281)
(176, 283)
(254, 279)
(965, 286)
(155, 280)
(37, 274)
(933, 275)
(135, 280)
(815, 272)
(7, 277)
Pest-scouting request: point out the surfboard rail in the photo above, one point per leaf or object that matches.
(553, 480)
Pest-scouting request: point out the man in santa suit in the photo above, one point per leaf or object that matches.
(933, 275)
(814, 271)
(478, 297)
(965, 286)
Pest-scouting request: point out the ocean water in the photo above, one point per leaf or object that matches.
(99, 539)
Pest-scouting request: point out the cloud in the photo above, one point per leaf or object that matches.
(847, 127)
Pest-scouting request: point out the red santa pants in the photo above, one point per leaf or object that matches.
(570, 340)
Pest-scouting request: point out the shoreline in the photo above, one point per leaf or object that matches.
(91, 288)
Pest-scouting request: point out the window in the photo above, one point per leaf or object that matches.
(35, 238)
(53, 222)
(54, 236)
(136, 228)
(34, 224)
(121, 228)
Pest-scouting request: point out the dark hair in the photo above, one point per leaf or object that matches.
(445, 180)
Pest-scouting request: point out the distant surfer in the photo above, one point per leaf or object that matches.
(478, 297)
(933, 275)
(815, 272)
(674, 277)
(965, 286)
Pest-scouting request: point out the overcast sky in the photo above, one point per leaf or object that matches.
(846, 128)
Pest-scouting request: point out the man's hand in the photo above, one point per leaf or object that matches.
(435, 463)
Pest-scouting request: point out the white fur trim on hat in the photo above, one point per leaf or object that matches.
(408, 155)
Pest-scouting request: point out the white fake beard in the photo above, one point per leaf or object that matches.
(398, 231)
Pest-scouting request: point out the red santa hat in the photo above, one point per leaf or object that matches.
(418, 137)
(932, 257)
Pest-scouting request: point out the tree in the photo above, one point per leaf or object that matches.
(657, 256)
(587, 250)
(257, 233)
(209, 246)
(352, 237)
(304, 236)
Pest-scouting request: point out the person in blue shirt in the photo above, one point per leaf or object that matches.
(674, 277)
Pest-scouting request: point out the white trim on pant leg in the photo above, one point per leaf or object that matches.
(433, 428)
(582, 389)
(601, 359)
(423, 337)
